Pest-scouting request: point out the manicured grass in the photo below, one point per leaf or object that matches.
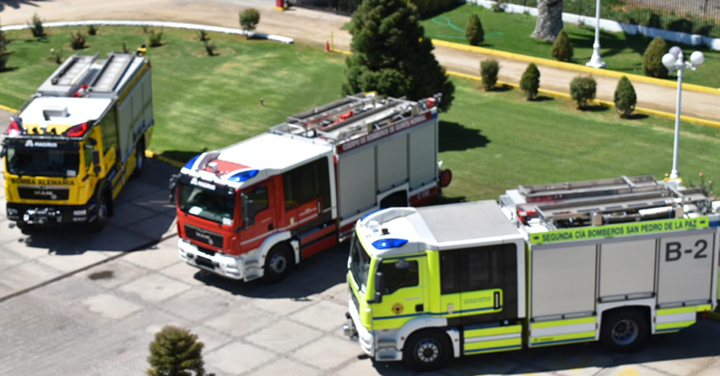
(491, 141)
(511, 32)
(199, 101)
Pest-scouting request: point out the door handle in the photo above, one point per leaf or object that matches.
(497, 299)
(270, 227)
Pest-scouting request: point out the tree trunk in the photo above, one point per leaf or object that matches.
(549, 21)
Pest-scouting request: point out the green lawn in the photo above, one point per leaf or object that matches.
(511, 32)
(492, 141)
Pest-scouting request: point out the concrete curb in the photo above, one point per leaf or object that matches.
(647, 111)
(171, 25)
(8, 109)
(570, 66)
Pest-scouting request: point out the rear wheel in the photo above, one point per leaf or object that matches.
(278, 263)
(624, 331)
(427, 350)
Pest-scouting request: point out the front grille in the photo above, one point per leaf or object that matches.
(204, 236)
(40, 193)
(206, 251)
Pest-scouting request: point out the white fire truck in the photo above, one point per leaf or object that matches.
(258, 207)
(613, 260)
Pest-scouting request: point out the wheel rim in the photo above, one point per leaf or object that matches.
(427, 351)
(278, 263)
(625, 332)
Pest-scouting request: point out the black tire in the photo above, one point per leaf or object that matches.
(278, 263)
(139, 158)
(427, 350)
(624, 330)
(102, 214)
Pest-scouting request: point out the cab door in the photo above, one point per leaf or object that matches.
(479, 284)
(258, 214)
(403, 292)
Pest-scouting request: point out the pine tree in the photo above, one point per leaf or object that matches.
(391, 54)
(530, 81)
(652, 59)
(176, 352)
(561, 48)
(625, 97)
(474, 32)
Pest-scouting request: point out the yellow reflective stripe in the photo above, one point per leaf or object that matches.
(672, 311)
(550, 324)
(677, 324)
(565, 337)
(493, 344)
(492, 331)
(703, 308)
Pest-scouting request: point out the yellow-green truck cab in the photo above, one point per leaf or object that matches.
(72, 147)
(430, 284)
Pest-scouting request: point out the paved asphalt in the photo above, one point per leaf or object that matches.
(72, 303)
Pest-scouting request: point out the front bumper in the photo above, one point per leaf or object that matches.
(42, 215)
(355, 328)
(233, 267)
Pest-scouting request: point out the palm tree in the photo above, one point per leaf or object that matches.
(549, 21)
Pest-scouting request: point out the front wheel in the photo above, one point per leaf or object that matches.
(624, 331)
(102, 213)
(427, 350)
(278, 263)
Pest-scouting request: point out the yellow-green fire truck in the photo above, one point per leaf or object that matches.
(613, 260)
(74, 145)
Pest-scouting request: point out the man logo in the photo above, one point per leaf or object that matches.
(29, 144)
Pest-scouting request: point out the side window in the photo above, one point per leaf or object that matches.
(306, 183)
(108, 129)
(449, 273)
(257, 201)
(485, 266)
(397, 278)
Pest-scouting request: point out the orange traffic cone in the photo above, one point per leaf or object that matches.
(327, 46)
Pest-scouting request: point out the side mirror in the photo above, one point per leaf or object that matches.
(172, 186)
(245, 210)
(379, 285)
(3, 153)
(96, 161)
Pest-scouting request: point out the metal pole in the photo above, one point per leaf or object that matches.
(680, 64)
(596, 60)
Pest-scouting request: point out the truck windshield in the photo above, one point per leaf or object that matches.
(359, 263)
(42, 162)
(207, 204)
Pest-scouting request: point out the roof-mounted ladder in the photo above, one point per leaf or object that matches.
(73, 70)
(111, 73)
(589, 188)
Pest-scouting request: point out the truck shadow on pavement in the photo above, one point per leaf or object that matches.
(143, 214)
(16, 4)
(694, 347)
(313, 276)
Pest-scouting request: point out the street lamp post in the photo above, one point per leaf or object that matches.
(596, 60)
(673, 60)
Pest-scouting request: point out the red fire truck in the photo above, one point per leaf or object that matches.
(256, 208)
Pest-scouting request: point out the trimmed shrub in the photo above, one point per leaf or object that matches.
(625, 97)
(582, 90)
(36, 26)
(92, 30)
(175, 352)
(530, 82)
(497, 6)
(474, 32)
(77, 41)
(210, 48)
(652, 59)
(249, 19)
(561, 48)
(155, 39)
(489, 72)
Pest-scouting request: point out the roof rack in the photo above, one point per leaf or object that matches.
(589, 188)
(73, 70)
(351, 116)
(111, 73)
